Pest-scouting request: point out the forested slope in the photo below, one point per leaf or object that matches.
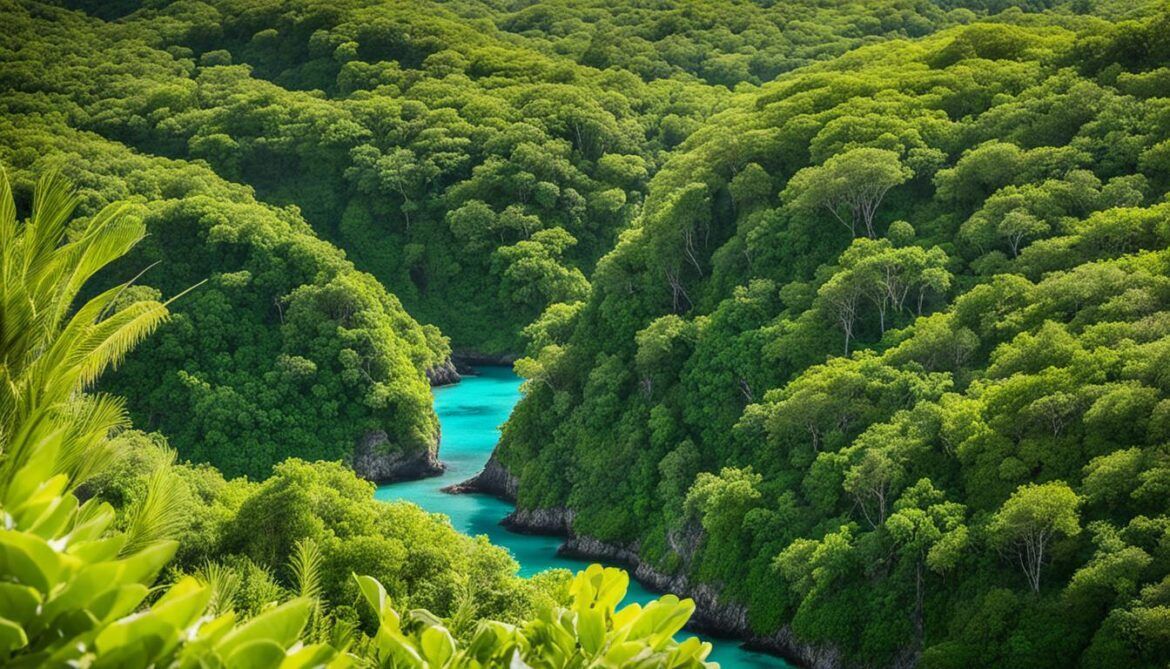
(873, 349)
(475, 172)
(882, 357)
(286, 350)
(472, 167)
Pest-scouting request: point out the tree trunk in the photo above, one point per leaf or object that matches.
(918, 631)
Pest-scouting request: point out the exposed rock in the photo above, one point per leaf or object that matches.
(376, 459)
(555, 521)
(711, 615)
(444, 374)
(685, 542)
(465, 361)
(493, 480)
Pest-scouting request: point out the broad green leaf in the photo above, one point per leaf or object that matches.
(118, 602)
(183, 603)
(144, 631)
(29, 560)
(98, 550)
(55, 517)
(12, 637)
(280, 625)
(376, 596)
(437, 645)
(18, 603)
(255, 653)
(145, 565)
(316, 655)
(591, 631)
(620, 654)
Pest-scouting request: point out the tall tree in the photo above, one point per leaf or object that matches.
(850, 186)
(1030, 519)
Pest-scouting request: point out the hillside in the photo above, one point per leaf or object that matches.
(881, 360)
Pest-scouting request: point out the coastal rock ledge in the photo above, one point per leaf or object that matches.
(376, 459)
(444, 374)
(712, 615)
(493, 480)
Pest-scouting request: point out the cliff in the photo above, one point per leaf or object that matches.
(444, 374)
(375, 459)
(712, 614)
(493, 480)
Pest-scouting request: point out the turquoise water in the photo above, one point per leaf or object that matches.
(470, 413)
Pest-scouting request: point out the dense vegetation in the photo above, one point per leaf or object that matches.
(78, 573)
(882, 358)
(452, 148)
(856, 312)
(471, 167)
(285, 351)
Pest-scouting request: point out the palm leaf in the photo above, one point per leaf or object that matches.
(159, 515)
(305, 565)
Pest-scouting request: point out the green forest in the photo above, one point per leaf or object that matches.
(849, 317)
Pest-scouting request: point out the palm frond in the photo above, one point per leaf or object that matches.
(7, 227)
(110, 340)
(86, 449)
(305, 566)
(159, 515)
(53, 204)
(224, 583)
(110, 236)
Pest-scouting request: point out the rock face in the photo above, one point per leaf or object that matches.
(444, 374)
(556, 521)
(711, 613)
(465, 360)
(493, 480)
(376, 460)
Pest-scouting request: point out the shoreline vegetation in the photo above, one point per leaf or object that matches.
(83, 570)
(710, 616)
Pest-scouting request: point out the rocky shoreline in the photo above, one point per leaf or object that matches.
(374, 461)
(465, 360)
(463, 363)
(711, 615)
(493, 480)
(444, 374)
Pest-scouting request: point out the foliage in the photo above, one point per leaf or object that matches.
(79, 590)
(871, 437)
(76, 591)
(855, 434)
(284, 349)
(588, 632)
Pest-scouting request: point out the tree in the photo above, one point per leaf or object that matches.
(842, 295)
(871, 480)
(930, 531)
(661, 345)
(532, 273)
(855, 181)
(721, 501)
(1018, 225)
(1031, 519)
